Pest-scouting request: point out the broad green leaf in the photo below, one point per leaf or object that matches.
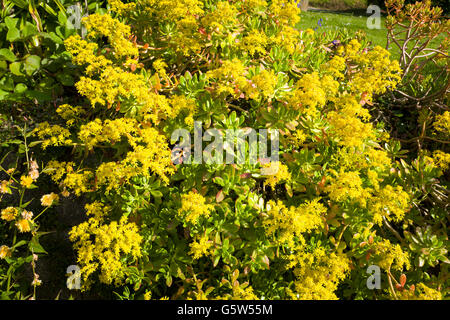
(20, 88)
(6, 54)
(29, 30)
(7, 84)
(13, 34)
(15, 68)
(11, 22)
(32, 63)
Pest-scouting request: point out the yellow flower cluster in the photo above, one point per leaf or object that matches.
(99, 132)
(149, 152)
(80, 181)
(442, 123)
(120, 7)
(184, 14)
(389, 202)
(4, 186)
(355, 158)
(102, 247)
(5, 252)
(181, 104)
(254, 4)
(297, 138)
(23, 223)
(276, 173)
(441, 159)
(115, 86)
(70, 114)
(97, 209)
(84, 53)
(254, 42)
(318, 274)
(347, 185)
(26, 181)
(52, 135)
(201, 247)
(193, 206)
(222, 17)
(230, 77)
(390, 256)
(377, 72)
(287, 38)
(420, 292)
(346, 124)
(160, 67)
(241, 293)
(335, 66)
(99, 25)
(265, 82)
(106, 83)
(308, 94)
(285, 12)
(9, 213)
(48, 199)
(283, 224)
(350, 131)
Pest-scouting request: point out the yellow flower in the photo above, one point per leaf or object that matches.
(389, 202)
(388, 255)
(27, 215)
(309, 31)
(265, 83)
(285, 223)
(5, 252)
(9, 214)
(255, 42)
(97, 209)
(26, 181)
(276, 173)
(420, 292)
(120, 7)
(103, 246)
(24, 225)
(347, 186)
(200, 248)
(147, 295)
(160, 67)
(194, 206)
(4, 187)
(441, 159)
(52, 135)
(442, 123)
(308, 94)
(48, 199)
(318, 273)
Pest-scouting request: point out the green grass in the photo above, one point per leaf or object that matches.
(336, 21)
(353, 23)
(339, 4)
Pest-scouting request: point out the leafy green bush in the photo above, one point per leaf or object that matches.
(306, 226)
